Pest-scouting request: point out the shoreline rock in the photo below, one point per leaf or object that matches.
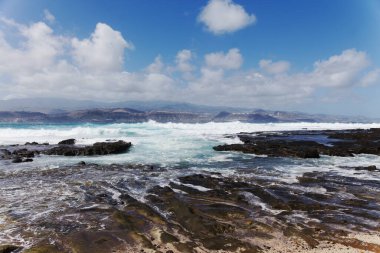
(308, 144)
(99, 148)
(67, 142)
(21, 154)
(207, 213)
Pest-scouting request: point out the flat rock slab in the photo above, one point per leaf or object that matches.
(308, 144)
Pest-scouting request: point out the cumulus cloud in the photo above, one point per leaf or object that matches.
(231, 60)
(271, 67)
(42, 63)
(225, 16)
(273, 86)
(183, 61)
(157, 65)
(37, 51)
(103, 51)
(340, 70)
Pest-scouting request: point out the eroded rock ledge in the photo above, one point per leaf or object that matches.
(208, 212)
(308, 144)
(99, 148)
(26, 152)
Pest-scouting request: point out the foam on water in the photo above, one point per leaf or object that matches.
(90, 133)
(154, 143)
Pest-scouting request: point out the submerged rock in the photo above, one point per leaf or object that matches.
(17, 159)
(31, 143)
(368, 168)
(99, 148)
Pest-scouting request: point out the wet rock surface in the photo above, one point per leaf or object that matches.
(26, 152)
(99, 148)
(67, 142)
(19, 154)
(99, 210)
(308, 144)
(9, 248)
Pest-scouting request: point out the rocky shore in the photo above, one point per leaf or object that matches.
(26, 153)
(204, 212)
(308, 144)
(92, 208)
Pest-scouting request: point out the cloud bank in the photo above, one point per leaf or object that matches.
(45, 64)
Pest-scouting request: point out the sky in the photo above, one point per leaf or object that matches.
(312, 56)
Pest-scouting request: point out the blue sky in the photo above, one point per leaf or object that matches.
(314, 56)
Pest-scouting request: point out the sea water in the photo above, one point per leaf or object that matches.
(165, 144)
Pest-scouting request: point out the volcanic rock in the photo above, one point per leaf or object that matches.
(99, 148)
(67, 142)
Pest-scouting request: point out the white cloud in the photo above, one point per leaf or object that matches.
(260, 88)
(103, 51)
(231, 60)
(225, 16)
(340, 70)
(48, 16)
(372, 77)
(42, 67)
(271, 67)
(183, 59)
(43, 63)
(157, 66)
(37, 51)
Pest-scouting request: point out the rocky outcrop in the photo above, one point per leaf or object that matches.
(99, 148)
(26, 153)
(18, 155)
(67, 142)
(277, 149)
(308, 144)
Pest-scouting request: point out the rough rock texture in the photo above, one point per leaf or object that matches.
(67, 142)
(9, 248)
(206, 212)
(308, 144)
(99, 148)
(18, 155)
(26, 153)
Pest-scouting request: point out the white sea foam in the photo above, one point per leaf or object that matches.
(179, 144)
(87, 134)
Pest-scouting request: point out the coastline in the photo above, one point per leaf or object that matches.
(238, 203)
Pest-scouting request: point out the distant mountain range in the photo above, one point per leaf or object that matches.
(74, 111)
(57, 105)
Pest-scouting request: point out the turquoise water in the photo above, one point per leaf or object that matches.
(173, 145)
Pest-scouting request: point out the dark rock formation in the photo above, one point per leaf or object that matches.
(308, 144)
(67, 142)
(99, 148)
(9, 248)
(17, 159)
(231, 213)
(367, 168)
(18, 155)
